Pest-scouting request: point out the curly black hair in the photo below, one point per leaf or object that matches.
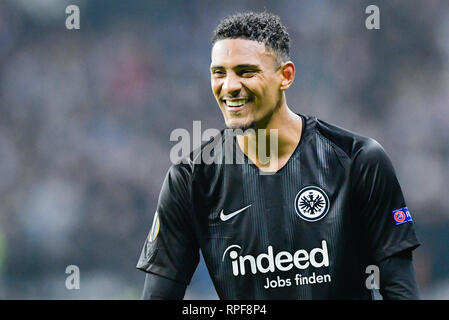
(262, 27)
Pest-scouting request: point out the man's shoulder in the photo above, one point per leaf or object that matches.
(350, 142)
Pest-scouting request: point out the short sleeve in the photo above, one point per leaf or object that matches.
(171, 249)
(377, 196)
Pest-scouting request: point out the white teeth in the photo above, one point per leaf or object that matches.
(236, 103)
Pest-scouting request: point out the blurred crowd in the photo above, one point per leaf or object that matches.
(86, 117)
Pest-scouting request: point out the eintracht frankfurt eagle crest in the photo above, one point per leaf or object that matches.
(311, 203)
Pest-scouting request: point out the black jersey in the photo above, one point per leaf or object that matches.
(309, 231)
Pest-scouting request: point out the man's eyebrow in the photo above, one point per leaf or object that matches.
(239, 66)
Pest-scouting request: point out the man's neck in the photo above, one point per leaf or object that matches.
(284, 126)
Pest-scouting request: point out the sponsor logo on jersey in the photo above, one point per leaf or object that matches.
(225, 217)
(270, 261)
(311, 204)
(401, 216)
(154, 228)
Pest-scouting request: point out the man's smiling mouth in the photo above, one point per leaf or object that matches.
(236, 104)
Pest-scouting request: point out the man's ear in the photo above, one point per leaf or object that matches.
(287, 74)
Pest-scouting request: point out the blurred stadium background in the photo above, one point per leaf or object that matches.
(86, 117)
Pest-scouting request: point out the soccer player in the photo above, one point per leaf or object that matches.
(330, 213)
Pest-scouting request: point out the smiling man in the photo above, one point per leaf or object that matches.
(249, 79)
(330, 209)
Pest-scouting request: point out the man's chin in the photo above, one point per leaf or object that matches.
(239, 126)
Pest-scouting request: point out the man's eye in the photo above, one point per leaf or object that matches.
(217, 72)
(248, 72)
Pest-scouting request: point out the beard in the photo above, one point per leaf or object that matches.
(240, 129)
(253, 125)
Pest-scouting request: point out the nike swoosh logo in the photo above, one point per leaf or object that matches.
(225, 217)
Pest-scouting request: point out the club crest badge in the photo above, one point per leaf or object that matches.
(311, 204)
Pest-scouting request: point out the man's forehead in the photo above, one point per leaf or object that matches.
(238, 51)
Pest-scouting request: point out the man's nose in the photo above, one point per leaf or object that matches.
(231, 84)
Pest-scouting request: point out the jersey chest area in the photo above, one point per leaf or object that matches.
(289, 225)
(299, 201)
